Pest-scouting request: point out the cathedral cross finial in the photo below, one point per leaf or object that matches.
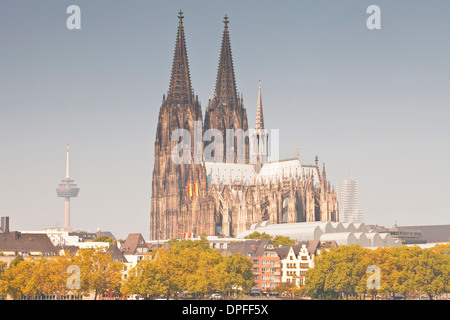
(225, 20)
(180, 15)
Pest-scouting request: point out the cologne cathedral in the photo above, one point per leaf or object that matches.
(211, 194)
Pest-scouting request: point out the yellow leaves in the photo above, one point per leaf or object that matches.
(403, 269)
(49, 275)
(189, 266)
(98, 272)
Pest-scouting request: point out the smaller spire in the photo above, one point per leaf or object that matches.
(259, 112)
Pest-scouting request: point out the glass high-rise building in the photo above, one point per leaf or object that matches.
(348, 200)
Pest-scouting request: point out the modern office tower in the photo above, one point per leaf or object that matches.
(348, 200)
(67, 189)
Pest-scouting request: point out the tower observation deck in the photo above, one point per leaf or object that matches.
(67, 189)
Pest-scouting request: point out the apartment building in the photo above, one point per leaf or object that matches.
(266, 262)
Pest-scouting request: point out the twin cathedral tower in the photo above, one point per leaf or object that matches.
(215, 196)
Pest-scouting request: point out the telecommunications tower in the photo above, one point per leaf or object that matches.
(67, 189)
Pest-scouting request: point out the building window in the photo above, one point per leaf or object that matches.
(304, 265)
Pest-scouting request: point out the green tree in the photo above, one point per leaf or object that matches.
(238, 274)
(407, 262)
(390, 270)
(190, 266)
(187, 243)
(104, 238)
(257, 235)
(146, 278)
(430, 273)
(205, 274)
(337, 272)
(317, 278)
(277, 241)
(282, 241)
(288, 288)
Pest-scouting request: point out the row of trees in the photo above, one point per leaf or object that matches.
(49, 276)
(190, 266)
(405, 270)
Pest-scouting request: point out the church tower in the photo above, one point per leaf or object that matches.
(259, 137)
(226, 110)
(179, 197)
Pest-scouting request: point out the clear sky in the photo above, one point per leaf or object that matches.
(372, 102)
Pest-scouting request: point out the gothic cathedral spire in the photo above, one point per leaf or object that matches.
(226, 84)
(226, 111)
(175, 208)
(180, 89)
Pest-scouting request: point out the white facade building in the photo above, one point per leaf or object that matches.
(295, 264)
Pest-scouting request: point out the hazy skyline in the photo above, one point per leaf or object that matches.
(375, 102)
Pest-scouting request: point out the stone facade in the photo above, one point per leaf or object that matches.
(215, 196)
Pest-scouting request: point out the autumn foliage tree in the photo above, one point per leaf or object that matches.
(189, 266)
(48, 275)
(98, 273)
(406, 270)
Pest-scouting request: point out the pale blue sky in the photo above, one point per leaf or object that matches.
(372, 102)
